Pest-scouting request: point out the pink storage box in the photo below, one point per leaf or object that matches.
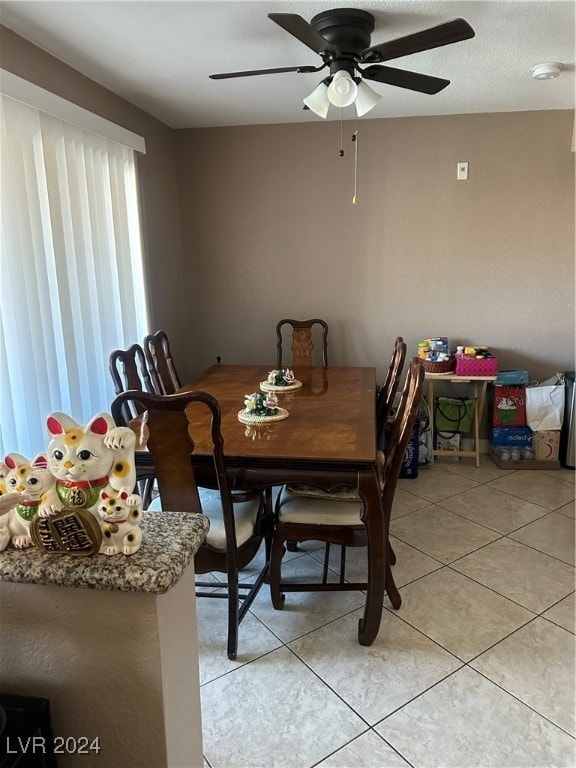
(470, 366)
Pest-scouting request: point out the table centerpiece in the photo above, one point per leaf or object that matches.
(260, 408)
(280, 381)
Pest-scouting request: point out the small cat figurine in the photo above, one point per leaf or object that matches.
(8, 499)
(27, 482)
(120, 515)
(7, 502)
(87, 460)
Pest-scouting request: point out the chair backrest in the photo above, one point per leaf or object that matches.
(387, 393)
(172, 449)
(401, 430)
(302, 341)
(129, 370)
(165, 379)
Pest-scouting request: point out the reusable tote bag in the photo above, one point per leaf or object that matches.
(453, 414)
(545, 404)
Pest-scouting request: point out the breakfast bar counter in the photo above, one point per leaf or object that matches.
(111, 641)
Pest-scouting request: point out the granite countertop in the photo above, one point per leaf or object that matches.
(170, 541)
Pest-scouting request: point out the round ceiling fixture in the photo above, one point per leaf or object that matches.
(545, 71)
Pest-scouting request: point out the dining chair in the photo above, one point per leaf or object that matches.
(239, 520)
(129, 371)
(303, 334)
(302, 346)
(332, 520)
(387, 392)
(165, 379)
(384, 402)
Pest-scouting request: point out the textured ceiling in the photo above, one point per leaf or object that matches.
(158, 55)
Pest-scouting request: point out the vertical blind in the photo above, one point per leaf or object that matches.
(71, 271)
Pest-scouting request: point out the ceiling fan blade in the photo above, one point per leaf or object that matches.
(252, 72)
(444, 34)
(303, 31)
(404, 79)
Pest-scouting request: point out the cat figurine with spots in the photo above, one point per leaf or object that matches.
(8, 499)
(86, 461)
(7, 502)
(120, 514)
(29, 483)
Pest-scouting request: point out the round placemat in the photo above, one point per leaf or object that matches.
(248, 418)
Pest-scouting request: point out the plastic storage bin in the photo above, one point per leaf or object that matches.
(470, 366)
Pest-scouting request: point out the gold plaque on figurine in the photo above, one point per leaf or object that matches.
(70, 532)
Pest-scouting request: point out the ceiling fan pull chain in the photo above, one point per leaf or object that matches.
(355, 140)
(341, 153)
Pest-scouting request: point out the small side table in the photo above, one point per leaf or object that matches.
(479, 403)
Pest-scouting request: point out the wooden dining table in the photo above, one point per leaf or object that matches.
(327, 440)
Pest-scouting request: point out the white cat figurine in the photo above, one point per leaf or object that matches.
(7, 502)
(120, 515)
(87, 460)
(28, 483)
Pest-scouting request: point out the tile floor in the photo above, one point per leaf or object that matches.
(475, 669)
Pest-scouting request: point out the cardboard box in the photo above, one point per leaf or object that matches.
(513, 377)
(448, 442)
(512, 436)
(546, 444)
(522, 463)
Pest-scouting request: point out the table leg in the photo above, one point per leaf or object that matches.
(431, 410)
(373, 519)
(476, 426)
(482, 400)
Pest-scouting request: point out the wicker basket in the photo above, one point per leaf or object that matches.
(433, 366)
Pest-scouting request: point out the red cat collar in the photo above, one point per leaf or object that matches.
(84, 483)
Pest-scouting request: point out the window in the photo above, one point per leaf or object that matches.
(71, 273)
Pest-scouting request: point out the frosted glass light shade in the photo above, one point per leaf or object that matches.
(342, 91)
(367, 98)
(318, 100)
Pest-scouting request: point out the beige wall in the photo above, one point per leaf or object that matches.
(269, 231)
(157, 174)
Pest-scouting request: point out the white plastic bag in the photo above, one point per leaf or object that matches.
(545, 404)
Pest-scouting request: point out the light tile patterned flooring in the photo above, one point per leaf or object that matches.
(475, 669)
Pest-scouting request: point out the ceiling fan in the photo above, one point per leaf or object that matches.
(342, 39)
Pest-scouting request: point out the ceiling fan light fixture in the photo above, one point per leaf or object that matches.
(318, 101)
(546, 71)
(342, 91)
(367, 98)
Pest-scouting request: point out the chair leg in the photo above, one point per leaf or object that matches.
(233, 610)
(342, 564)
(291, 546)
(145, 488)
(391, 555)
(275, 573)
(391, 588)
(326, 561)
(268, 522)
(268, 546)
